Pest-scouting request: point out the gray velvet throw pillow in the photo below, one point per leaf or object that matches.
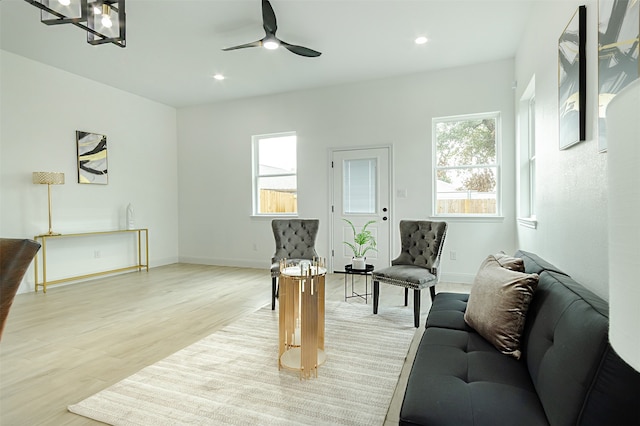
(498, 304)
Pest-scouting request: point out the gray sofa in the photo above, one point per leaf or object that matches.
(568, 373)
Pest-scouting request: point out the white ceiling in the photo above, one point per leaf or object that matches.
(174, 46)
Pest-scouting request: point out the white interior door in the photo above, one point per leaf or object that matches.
(361, 193)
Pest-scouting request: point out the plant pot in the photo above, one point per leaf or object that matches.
(359, 263)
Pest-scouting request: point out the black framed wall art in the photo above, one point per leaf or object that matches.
(572, 72)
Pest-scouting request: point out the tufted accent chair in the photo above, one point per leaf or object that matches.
(417, 265)
(295, 241)
(15, 257)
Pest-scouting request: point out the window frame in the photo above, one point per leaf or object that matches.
(531, 156)
(497, 116)
(256, 176)
(526, 158)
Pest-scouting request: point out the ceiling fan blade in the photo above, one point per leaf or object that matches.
(300, 50)
(268, 18)
(243, 46)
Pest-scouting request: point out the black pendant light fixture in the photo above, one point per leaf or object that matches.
(103, 20)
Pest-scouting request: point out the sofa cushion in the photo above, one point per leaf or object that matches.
(447, 311)
(458, 378)
(498, 304)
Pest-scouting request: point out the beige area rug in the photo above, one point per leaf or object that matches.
(232, 377)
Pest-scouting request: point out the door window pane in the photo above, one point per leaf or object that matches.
(359, 192)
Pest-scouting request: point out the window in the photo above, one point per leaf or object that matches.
(359, 186)
(531, 149)
(527, 158)
(275, 180)
(466, 165)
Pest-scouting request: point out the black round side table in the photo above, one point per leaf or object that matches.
(348, 270)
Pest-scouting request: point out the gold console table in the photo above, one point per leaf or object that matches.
(45, 237)
(301, 329)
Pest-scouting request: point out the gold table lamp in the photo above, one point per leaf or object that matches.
(49, 178)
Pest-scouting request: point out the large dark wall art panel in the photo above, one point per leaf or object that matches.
(572, 70)
(618, 30)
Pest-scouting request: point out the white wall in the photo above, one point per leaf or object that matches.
(41, 108)
(214, 166)
(571, 184)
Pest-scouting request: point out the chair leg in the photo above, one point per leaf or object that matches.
(416, 308)
(406, 296)
(273, 293)
(376, 293)
(432, 290)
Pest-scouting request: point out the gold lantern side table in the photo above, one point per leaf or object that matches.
(301, 325)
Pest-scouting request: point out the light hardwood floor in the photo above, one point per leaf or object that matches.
(63, 346)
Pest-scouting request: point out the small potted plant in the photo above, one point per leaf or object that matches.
(363, 241)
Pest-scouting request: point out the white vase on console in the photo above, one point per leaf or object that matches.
(131, 222)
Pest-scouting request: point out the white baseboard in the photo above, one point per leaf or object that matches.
(162, 262)
(28, 285)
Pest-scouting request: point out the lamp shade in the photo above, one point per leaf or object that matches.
(56, 12)
(623, 137)
(48, 178)
(103, 20)
(106, 22)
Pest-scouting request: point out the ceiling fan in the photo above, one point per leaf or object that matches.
(270, 41)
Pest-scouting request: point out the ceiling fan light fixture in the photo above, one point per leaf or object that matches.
(270, 44)
(270, 40)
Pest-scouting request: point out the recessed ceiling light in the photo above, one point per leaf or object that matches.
(421, 40)
(218, 76)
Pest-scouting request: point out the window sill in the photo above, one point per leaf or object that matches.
(274, 216)
(468, 218)
(528, 222)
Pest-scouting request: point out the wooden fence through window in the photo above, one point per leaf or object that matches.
(484, 206)
(278, 201)
(272, 201)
